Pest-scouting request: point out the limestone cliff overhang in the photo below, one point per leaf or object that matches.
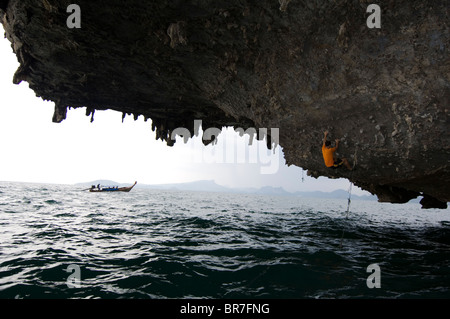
(300, 66)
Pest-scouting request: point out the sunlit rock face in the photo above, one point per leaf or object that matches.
(300, 66)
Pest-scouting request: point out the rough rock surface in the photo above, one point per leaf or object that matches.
(300, 66)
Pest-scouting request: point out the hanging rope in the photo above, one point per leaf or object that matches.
(349, 200)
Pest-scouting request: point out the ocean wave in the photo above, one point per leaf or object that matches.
(181, 245)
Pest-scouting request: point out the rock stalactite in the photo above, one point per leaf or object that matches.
(300, 66)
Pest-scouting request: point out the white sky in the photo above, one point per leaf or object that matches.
(34, 149)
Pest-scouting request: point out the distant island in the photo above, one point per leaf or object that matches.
(211, 186)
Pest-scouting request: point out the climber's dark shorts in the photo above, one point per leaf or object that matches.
(337, 163)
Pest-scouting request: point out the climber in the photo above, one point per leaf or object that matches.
(329, 155)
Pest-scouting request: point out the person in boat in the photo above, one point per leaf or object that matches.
(92, 186)
(98, 186)
(329, 155)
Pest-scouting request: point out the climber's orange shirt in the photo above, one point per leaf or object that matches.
(328, 155)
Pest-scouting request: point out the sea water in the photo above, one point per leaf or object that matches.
(58, 241)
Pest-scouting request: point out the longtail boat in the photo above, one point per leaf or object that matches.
(112, 189)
